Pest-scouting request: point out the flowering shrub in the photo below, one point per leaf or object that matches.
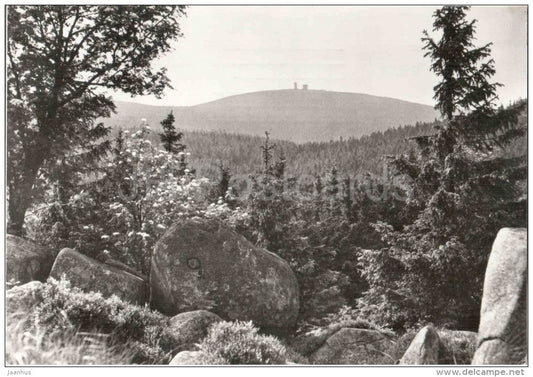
(147, 189)
(121, 212)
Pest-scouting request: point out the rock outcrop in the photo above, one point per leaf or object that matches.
(190, 327)
(90, 275)
(424, 348)
(502, 335)
(201, 263)
(354, 347)
(26, 261)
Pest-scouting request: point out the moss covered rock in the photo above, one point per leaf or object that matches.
(21, 299)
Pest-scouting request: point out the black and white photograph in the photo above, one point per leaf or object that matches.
(265, 185)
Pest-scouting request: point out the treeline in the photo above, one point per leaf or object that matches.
(210, 149)
(352, 156)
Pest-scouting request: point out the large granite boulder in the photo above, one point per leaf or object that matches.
(202, 263)
(502, 335)
(424, 348)
(26, 261)
(354, 347)
(91, 275)
(190, 327)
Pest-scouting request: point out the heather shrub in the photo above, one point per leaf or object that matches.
(69, 309)
(39, 346)
(239, 343)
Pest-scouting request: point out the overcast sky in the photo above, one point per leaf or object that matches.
(361, 49)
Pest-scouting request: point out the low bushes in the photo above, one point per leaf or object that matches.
(62, 319)
(40, 346)
(69, 310)
(54, 323)
(239, 343)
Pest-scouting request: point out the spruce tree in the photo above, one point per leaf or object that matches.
(170, 137)
(267, 150)
(463, 190)
(332, 191)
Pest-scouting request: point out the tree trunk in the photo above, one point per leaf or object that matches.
(17, 206)
(20, 199)
(16, 218)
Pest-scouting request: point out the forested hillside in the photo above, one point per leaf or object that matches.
(240, 153)
(352, 156)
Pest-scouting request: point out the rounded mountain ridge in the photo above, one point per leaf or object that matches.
(292, 114)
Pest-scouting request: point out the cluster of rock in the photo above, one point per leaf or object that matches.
(203, 264)
(197, 264)
(502, 336)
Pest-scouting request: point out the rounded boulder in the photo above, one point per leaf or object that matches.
(190, 327)
(203, 264)
(92, 276)
(187, 358)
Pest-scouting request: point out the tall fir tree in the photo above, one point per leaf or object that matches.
(462, 192)
(267, 151)
(170, 137)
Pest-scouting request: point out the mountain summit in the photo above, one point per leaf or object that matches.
(294, 114)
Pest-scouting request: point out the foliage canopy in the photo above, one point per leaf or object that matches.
(59, 61)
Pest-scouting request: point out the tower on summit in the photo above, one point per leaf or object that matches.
(304, 86)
